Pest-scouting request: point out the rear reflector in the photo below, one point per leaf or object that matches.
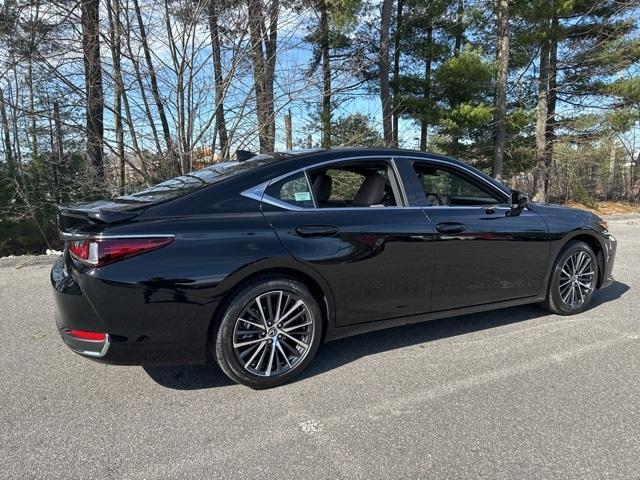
(98, 252)
(86, 335)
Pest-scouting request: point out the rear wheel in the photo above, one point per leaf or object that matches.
(573, 280)
(268, 333)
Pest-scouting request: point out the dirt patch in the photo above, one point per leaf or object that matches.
(609, 208)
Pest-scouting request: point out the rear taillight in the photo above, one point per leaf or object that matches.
(101, 251)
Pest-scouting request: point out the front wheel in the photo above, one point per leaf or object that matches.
(269, 332)
(573, 280)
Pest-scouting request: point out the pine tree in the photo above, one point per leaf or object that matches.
(582, 46)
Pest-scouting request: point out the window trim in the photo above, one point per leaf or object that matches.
(313, 197)
(258, 192)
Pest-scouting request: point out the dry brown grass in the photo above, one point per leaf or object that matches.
(609, 208)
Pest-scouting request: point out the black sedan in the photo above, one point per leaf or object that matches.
(255, 263)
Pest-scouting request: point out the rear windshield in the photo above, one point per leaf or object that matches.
(183, 184)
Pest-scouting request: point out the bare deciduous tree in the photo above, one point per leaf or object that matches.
(90, 18)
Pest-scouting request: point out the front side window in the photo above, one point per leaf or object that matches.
(445, 187)
(293, 190)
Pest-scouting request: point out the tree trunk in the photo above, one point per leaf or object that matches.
(128, 33)
(326, 75)
(155, 91)
(115, 37)
(459, 28)
(256, 28)
(221, 125)
(263, 56)
(15, 148)
(610, 190)
(271, 42)
(182, 152)
(33, 133)
(540, 181)
(383, 63)
(424, 124)
(33, 40)
(6, 137)
(550, 131)
(90, 20)
(501, 89)
(13, 102)
(396, 72)
(58, 149)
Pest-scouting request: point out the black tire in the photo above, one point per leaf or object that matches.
(563, 289)
(258, 301)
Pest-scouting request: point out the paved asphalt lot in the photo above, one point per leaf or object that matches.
(514, 393)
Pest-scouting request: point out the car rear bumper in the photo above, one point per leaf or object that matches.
(130, 339)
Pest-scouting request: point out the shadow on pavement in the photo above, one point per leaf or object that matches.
(189, 377)
(341, 352)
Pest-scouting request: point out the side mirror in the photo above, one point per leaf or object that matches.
(519, 201)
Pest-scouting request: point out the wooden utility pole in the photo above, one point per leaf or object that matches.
(396, 72)
(288, 130)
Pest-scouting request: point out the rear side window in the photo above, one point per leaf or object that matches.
(361, 184)
(345, 184)
(293, 190)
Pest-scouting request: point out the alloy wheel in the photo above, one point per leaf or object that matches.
(577, 279)
(273, 333)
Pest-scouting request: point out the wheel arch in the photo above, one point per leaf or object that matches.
(590, 238)
(317, 285)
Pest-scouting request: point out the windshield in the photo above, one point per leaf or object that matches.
(183, 184)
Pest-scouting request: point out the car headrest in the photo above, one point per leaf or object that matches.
(322, 187)
(371, 192)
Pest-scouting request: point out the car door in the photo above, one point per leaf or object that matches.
(377, 258)
(483, 253)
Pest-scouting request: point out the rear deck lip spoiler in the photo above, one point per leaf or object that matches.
(96, 220)
(101, 215)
